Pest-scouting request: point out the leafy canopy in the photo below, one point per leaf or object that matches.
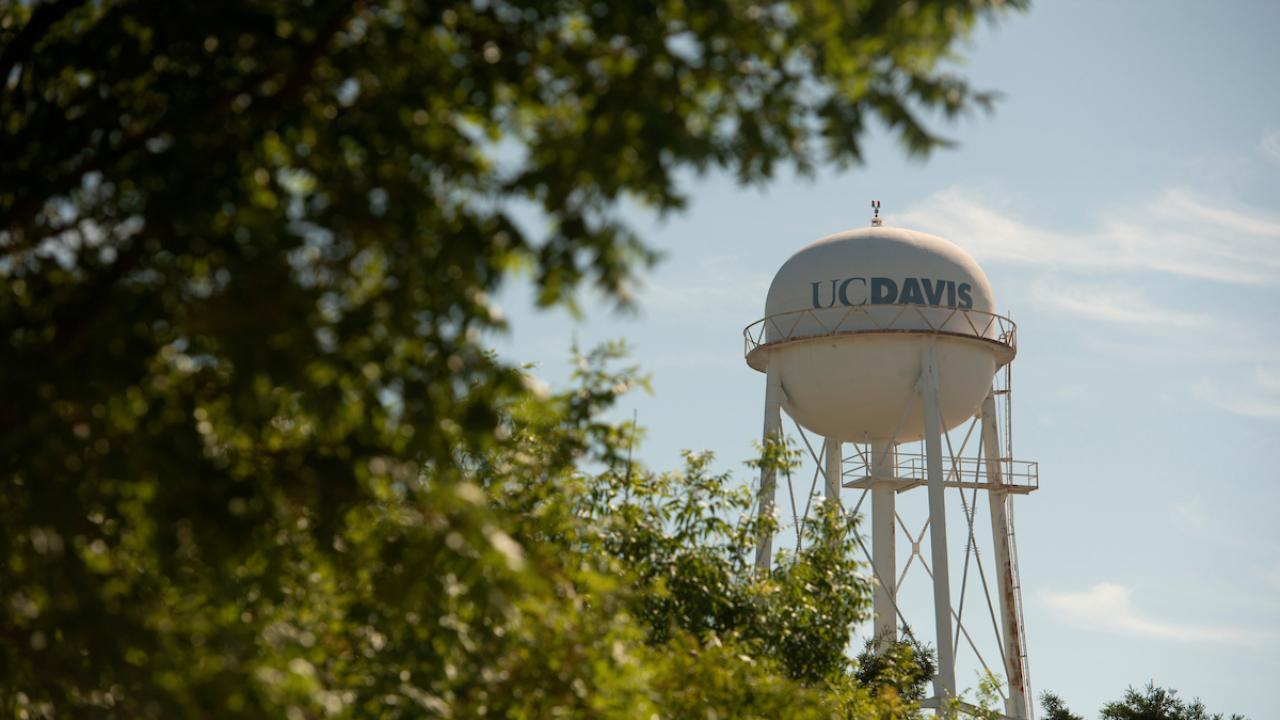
(256, 458)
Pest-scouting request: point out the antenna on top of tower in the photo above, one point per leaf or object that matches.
(876, 221)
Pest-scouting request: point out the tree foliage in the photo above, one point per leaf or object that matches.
(1157, 703)
(898, 674)
(1149, 703)
(1055, 708)
(256, 458)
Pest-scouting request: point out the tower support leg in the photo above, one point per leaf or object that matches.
(834, 471)
(1006, 569)
(883, 556)
(768, 474)
(944, 684)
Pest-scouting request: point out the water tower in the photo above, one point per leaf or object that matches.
(883, 339)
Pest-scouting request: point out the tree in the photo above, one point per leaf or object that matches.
(1055, 708)
(1150, 703)
(905, 666)
(256, 457)
(1156, 703)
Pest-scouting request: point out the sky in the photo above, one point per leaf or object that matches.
(1124, 200)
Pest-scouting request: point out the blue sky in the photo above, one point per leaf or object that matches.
(1124, 200)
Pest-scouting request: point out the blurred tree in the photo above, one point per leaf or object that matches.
(1157, 703)
(1150, 703)
(255, 456)
(905, 667)
(1055, 708)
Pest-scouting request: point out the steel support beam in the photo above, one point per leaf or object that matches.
(883, 543)
(834, 471)
(768, 474)
(944, 684)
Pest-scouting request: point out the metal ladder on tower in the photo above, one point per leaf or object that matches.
(1016, 578)
(1011, 537)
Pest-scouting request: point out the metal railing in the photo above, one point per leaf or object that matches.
(853, 319)
(1016, 475)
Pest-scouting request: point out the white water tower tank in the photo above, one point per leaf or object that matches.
(847, 321)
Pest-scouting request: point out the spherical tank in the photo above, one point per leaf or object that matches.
(848, 321)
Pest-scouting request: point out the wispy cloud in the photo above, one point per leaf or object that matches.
(1111, 303)
(1108, 607)
(1268, 379)
(1270, 145)
(1259, 399)
(1193, 518)
(1190, 516)
(698, 358)
(715, 286)
(741, 297)
(1270, 576)
(1099, 273)
(1178, 232)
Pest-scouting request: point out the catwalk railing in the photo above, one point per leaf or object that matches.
(910, 470)
(855, 319)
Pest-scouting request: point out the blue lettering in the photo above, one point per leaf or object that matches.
(886, 291)
(844, 289)
(883, 291)
(933, 290)
(911, 294)
(816, 304)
